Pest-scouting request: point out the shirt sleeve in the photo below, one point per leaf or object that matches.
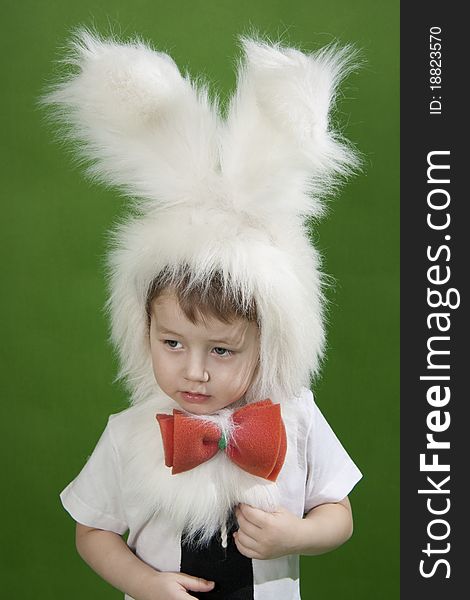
(331, 473)
(93, 498)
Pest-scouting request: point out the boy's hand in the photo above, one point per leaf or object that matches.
(175, 586)
(264, 535)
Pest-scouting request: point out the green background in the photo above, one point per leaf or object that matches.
(57, 366)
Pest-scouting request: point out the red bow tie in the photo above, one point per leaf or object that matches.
(258, 443)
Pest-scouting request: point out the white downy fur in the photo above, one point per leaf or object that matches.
(197, 502)
(211, 194)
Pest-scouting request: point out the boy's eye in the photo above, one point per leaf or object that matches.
(172, 343)
(222, 351)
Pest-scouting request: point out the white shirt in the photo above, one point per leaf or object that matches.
(316, 470)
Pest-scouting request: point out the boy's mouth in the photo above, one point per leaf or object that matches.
(194, 397)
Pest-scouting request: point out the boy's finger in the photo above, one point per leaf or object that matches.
(256, 516)
(246, 540)
(244, 550)
(195, 584)
(247, 527)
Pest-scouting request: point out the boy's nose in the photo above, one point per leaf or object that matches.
(196, 370)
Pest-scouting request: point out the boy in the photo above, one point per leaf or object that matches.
(223, 471)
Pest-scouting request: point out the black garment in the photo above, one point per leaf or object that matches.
(231, 571)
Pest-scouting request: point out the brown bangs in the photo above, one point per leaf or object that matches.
(201, 299)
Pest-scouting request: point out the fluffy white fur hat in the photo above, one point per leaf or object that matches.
(228, 195)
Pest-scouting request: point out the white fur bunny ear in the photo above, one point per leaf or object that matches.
(142, 126)
(280, 151)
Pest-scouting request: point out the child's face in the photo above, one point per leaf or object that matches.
(203, 367)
